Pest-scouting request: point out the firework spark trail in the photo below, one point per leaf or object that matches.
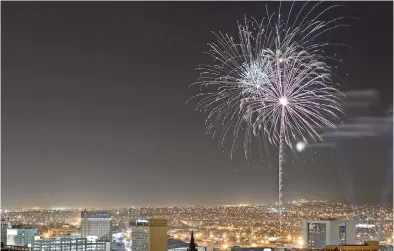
(273, 84)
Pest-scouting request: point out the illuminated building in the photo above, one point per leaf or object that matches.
(149, 235)
(368, 246)
(70, 244)
(64, 230)
(21, 236)
(319, 233)
(4, 226)
(96, 225)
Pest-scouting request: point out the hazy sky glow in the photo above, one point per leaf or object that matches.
(94, 113)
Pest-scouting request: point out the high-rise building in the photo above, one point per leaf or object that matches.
(96, 225)
(319, 233)
(21, 236)
(149, 235)
(70, 244)
(4, 226)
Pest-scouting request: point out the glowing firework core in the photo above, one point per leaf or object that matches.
(283, 101)
(300, 146)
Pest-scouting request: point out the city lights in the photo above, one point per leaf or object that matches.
(240, 225)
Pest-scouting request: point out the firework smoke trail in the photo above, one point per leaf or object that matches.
(272, 84)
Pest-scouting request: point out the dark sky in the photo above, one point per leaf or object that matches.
(94, 112)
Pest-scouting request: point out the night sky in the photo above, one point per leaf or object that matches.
(94, 108)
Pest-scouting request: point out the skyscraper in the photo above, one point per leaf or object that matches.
(319, 233)
(96, 225)
(149, 235)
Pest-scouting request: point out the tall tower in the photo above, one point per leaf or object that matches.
(97, 225)
(149, 235)
(192, 244)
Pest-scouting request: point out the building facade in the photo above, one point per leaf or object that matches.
(70, 244)
(21, 236)
(368, 246)
(319, 233)
(4, 226)
(96, 225)
(149, 235)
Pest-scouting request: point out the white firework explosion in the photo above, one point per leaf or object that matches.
(273, 84)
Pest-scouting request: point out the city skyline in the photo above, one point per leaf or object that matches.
(94, 111)
(256, 221)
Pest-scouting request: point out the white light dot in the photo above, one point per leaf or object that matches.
(300, 146)
(283, 101)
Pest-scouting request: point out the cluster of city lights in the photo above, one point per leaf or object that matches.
(228, 224)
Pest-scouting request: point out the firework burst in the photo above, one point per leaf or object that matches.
(273, 83)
